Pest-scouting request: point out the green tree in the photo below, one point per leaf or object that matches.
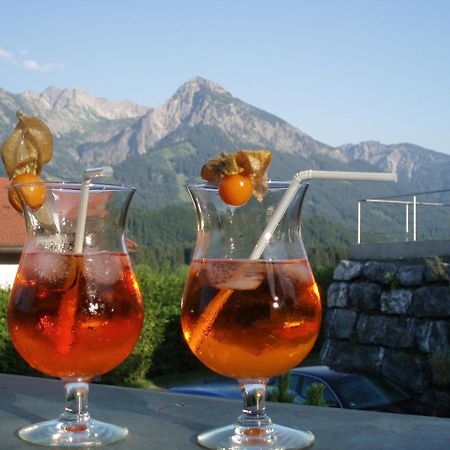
(282, 393)
(314, 395)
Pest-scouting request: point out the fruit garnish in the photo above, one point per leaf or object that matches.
(255, 164)
(24, 153)
(220, 166)
(28, 148)
(250, 165)
(34, 194)
(236, 190)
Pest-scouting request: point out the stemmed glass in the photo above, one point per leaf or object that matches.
(75, 313)
(250, 317)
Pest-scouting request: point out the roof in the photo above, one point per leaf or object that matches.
(12, 224)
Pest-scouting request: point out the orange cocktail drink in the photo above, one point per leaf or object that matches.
(250, 311)
(268, 323)
(75, 315)
(75, 310)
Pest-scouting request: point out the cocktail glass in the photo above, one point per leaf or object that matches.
(75, 314)
(250, 318)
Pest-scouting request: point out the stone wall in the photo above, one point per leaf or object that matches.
(390, 318)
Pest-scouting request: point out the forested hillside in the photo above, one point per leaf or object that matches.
(166, 236)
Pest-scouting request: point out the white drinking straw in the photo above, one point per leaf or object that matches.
(293, 187)
(84, 195)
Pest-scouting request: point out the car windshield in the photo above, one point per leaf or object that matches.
(362, 392)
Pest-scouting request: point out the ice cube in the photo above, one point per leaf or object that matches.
(299, 272)
(58, 243)
(103, 268)
(48, 267)
(236, 275)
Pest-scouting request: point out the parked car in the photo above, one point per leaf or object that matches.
(346, 389)
(227, 388)
(341, 389)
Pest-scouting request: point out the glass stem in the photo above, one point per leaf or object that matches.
(253, 426)
(76, 416)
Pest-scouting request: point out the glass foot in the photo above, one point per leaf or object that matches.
(283, 438)
(54, 433)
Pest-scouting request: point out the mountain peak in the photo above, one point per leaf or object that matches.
(204, 103)
(54, 98)
(197, 83)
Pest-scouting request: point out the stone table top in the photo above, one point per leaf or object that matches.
(161, 420)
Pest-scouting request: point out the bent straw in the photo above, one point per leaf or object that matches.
(84, 195)
(293, 187)
(211, 312)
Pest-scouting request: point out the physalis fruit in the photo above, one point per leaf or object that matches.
(239, 175)
(24, 153)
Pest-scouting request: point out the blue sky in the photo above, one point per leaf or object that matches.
(340, 70)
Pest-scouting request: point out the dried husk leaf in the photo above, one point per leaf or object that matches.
(252, 163)
(46, 219)
(28, 161)
(40, 136)
(255, 164)
(220, 166)
(10, 150)
(28, 148)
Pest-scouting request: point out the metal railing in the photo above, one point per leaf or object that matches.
(429, 209)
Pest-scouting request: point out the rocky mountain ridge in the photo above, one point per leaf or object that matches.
(200, 118)
(66, 109)
(403, 158)
(200, 101)
(74, 118)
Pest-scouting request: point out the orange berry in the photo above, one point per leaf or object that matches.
(235, 190)
(34, 194)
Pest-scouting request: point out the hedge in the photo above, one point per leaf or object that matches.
(10, 360)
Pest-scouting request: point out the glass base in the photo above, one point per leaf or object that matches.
(283, 438)
(55, 433)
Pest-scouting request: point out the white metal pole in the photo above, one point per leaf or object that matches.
(407, 222)
(414, 218)
(359, 222)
